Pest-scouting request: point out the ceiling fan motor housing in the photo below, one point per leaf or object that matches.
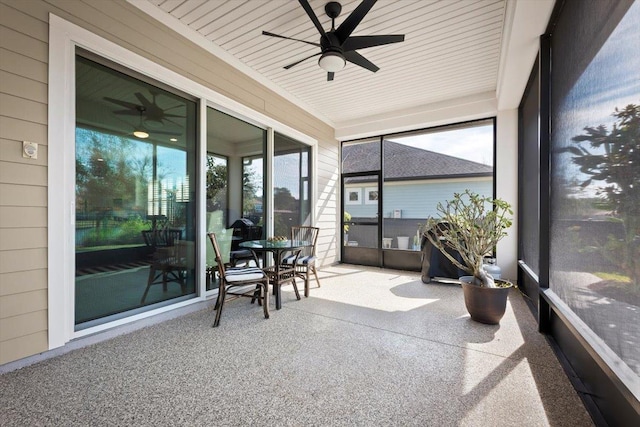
(330, 42)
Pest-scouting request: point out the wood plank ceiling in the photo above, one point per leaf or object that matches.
(452, 49)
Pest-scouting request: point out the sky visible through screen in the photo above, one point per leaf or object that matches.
(610, 81)
(474, 143)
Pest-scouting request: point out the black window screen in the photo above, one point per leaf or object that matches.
(529, 203)
(594, 264)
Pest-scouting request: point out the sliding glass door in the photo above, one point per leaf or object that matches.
(291, 184)
(135, 190)
(135, 170)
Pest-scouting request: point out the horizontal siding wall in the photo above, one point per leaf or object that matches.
(416, 199)
(23, 185)
(421, 200)
(23, 116)
(328, 178)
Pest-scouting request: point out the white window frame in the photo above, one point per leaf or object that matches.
(348, 201)
(369, 190)
(64, 37)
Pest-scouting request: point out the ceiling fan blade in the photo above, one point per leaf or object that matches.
(302, 60)
(307, 8)
(144, 101)
(174, 115)
(363, 42)
(175, 106)
(171, 121)
(124, 104)
(330, 76)
(127, 112)
(348, 25)
(355, 58)
(266, 33)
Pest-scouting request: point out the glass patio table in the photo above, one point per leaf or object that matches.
(278, 274)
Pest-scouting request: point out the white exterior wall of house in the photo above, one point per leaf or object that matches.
(25, 282)
(416, 199)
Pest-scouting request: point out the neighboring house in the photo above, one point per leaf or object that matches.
(415, 180)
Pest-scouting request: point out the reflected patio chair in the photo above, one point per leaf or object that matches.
(239, 281)
(171, 264)
(159, 238)
(224, 239)
(306, 261)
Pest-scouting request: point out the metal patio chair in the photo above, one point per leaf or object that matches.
(249, 282)
(306, 261)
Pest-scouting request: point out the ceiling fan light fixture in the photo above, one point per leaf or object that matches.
(332, 61)
(140, 133)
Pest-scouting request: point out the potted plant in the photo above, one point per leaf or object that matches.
(471, 225)
(346, 217)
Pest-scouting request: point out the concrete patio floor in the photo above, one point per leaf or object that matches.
(370, 347)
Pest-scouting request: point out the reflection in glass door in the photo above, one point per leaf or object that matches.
(234, 186)
(135, 195)
(291, 178)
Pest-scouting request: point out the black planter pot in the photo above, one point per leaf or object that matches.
(485, 305)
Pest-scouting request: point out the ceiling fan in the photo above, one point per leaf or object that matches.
(337, 46)
(141, 129)
(153, 115)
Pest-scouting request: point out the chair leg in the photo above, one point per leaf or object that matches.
(256, 295)
(295, 288)
(265, 299)
(315, 273)
(152, 274)
(306, 282)
(182, 280)
(164, 280)
(219, 305)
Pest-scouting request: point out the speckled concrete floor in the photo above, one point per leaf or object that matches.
(370, 347)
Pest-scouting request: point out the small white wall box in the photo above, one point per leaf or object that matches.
(397, 213)
(29, 150)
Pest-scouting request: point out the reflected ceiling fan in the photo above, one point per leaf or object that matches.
(152, 116)
(149, 110)
(337, 46)
(143, 131)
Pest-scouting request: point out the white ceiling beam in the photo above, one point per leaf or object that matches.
(472, 107)
(525, 22)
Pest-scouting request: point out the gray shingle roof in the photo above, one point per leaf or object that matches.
(403, 162)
